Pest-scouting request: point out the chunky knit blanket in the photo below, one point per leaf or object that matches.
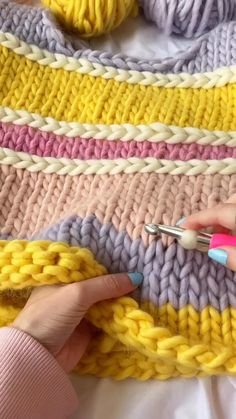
(92, 147)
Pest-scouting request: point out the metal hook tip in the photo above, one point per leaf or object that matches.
(152, 229)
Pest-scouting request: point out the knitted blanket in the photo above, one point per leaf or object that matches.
(92, 147)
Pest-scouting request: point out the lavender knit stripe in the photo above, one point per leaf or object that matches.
(171, 275)
(38, 26)
(33, 141)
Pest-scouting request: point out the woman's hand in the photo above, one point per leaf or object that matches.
(223, 220)
(54, 315)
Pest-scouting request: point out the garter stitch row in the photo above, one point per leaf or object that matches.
(92, 147)
(29, 264)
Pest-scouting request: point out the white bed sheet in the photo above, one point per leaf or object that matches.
(140, 39)
(208, 398)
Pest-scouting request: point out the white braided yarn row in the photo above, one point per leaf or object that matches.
(217, 78)
(155, 132)
(64, 166)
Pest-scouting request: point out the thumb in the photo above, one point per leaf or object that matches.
(105, 287)
(225, 256)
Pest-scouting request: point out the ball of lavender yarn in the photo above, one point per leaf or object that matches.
(190, 18)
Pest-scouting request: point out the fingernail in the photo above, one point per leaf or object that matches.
(218, 255)
(136, 278)
(180, 221)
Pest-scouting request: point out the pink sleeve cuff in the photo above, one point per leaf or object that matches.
(32, 383)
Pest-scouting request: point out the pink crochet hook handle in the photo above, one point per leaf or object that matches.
(222, 240)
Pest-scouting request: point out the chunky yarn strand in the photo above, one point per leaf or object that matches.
(28, 264)
(123, 323)
(92, 18)
(190, 18)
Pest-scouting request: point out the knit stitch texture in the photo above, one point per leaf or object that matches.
(92, 147)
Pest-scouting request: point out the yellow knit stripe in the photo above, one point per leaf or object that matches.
(72, 97)
(217, 78)
(169, 342)
(124, 321)
(168, 350)
(207, 326)
(30, 264)
(132, 364)
(106, 357)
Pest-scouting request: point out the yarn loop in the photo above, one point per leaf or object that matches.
(190, 18)
(93, 17)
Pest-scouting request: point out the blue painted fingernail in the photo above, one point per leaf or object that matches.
(218, 255)
(136, 278)
(180, 221)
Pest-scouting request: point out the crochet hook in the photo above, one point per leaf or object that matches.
(190, 239)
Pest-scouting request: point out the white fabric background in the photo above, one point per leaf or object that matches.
(208, 398)
(140, 39)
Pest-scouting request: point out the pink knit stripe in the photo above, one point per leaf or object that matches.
(33, 141)
(31, 202)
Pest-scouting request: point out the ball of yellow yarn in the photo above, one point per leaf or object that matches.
(92, 17)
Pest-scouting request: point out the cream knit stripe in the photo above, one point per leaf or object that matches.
(217, 78)
(64, 166)
(155, 132)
